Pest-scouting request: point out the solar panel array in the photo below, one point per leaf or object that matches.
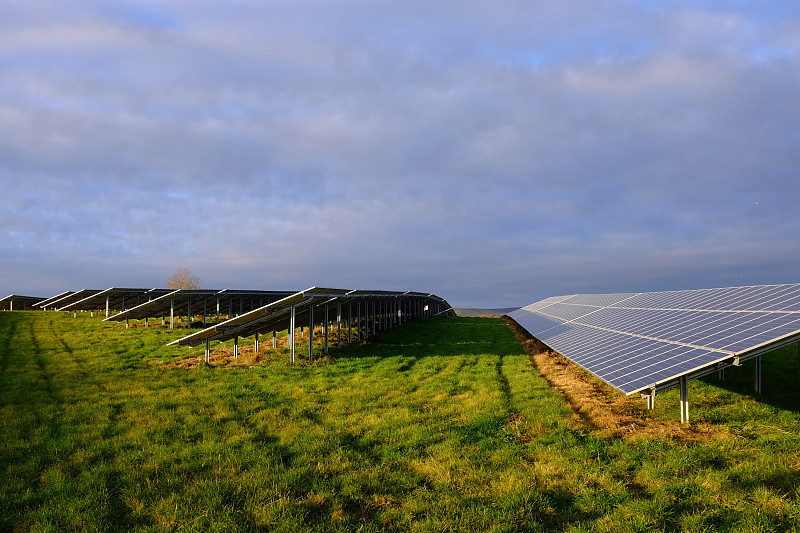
(113, 298)
(276, 315)
(15, 302)
(226, 301)
(640, 341)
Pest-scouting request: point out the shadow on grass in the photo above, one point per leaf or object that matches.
(436, 337)
(780, 379)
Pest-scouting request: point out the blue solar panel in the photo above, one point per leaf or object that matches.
(635, 341)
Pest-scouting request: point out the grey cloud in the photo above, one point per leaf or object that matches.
(495, 153)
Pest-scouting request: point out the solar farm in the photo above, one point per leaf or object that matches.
(348, 409)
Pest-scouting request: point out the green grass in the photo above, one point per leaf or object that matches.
(441, 425)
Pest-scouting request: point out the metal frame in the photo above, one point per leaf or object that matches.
(299, 308)
(184, 299)
(15, 302)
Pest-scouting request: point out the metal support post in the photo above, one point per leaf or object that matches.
(274, 339)
(230, 308)
(311, 332)
(291, 335)
(108, 304)
(721, 374)
(349, 323)
(205, 311)
(684, 399)
(650, 396)
(373, 317)
(339, 326)
(208, 351)
(358, 324)
(327, 323)
(236, 346)
(255, 346)
(217, 310)
(189, 314)
(757, 377)
(172, 313)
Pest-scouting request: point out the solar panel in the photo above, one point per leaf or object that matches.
(70, 298)
(15, 302)
(299, 308)
(113, 298)
(211, 301)
(649, 341)
(44, 304)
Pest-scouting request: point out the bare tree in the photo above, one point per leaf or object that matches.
(183, 279)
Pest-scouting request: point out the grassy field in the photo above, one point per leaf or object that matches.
(442, 425)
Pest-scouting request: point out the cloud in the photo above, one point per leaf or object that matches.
(490, 155)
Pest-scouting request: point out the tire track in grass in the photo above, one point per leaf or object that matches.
(5, 343)
(41, 361)
(80, 361)
(47, 414)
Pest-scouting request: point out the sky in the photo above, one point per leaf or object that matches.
(493, 153)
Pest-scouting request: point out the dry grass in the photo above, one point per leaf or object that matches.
(597, 407)
(223, 356)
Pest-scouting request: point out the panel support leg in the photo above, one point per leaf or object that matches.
(684, 400)
(255, 346)
(358, 324)
(274, 339)
(172, 313)
(327, 323)
(651, 398)
(236, 347)
(291, 335)
(208, 351)
(339, 327)
(311, 332)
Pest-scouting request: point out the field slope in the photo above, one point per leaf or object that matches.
(442, 425)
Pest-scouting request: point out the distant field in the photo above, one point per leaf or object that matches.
(475, 311)
(442, 425)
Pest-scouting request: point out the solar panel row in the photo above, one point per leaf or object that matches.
(381, 309)
(15, 302)
(649, 341)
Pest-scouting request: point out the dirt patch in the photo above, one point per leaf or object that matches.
(597, 407)
(223, 355)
